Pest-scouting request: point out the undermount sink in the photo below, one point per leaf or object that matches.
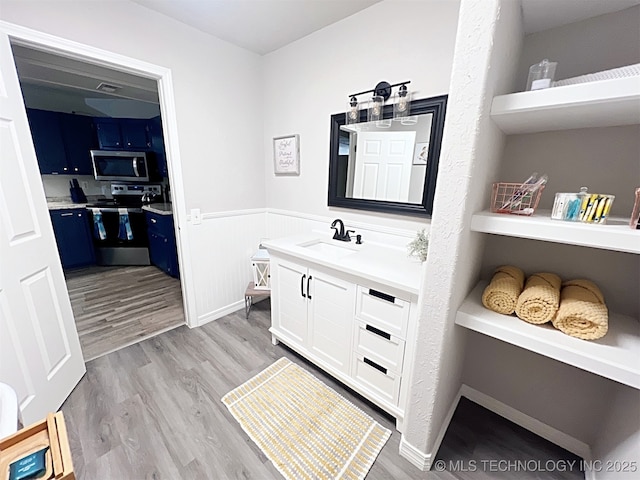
(332, 250)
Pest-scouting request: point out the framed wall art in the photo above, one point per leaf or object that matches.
(286, 155)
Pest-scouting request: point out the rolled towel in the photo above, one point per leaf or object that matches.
(502, 292)
(538, 302)
(582, 313)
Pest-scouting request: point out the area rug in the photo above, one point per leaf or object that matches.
(305, 428)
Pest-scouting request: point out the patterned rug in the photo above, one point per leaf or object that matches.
(304, 427)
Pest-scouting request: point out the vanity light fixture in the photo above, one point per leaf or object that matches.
(402, 103)
(381, 93)
(353, 112)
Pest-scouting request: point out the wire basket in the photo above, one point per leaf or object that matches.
(511, 198)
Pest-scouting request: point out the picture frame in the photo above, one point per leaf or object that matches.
(286, 155)
(421, 153)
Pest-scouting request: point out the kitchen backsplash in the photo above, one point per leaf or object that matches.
(57, 186)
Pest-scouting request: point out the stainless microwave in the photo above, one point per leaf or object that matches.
(120, 166)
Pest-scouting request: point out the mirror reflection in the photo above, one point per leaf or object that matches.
(384, 160)
(388, 166)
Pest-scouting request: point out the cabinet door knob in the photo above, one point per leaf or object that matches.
(64, 168)
(75, 168)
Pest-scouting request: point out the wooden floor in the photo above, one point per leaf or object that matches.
(117, 306)
(152, 410)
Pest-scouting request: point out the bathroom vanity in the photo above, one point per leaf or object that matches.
(350, 309)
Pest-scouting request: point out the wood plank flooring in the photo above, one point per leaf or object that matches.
(153, 411)
(117, 306)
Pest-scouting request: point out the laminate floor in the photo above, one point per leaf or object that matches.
(152, 410)
(117, 306)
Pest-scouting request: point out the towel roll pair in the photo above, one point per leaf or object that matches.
(576, 307)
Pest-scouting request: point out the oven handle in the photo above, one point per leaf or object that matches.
(134, 161)
(116, 209)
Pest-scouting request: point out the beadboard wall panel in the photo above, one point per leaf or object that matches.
(221, 247)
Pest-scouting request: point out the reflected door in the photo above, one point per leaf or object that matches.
(383, 165)
(40, 353)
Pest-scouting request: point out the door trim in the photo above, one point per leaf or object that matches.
(27, 37)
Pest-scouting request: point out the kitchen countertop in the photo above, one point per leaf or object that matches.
(64, 205)
(159, 208)
(385, 265)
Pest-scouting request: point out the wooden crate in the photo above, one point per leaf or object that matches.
(50, 432)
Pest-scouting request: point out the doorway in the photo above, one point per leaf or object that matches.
(114, 305)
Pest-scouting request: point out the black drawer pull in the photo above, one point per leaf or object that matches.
(383, 296)
(374, 365)
(308, 291)
(379, 332)
(302, 285)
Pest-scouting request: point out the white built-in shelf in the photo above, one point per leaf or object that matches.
(604, 103)
(615, 235)
(615, 356)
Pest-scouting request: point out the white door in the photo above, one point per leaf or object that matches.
(331, 310)
(383, 165)
(40, 354)
(289, 300)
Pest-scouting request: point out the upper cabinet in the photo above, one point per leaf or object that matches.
(122, 133)
(62, 142)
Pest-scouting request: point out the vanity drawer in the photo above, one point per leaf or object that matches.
(380, 346)
(377, 379)
(389, 313)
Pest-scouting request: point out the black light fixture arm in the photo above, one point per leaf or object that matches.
(382, 89)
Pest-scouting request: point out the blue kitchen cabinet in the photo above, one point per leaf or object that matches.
(78, 135)
(73, 237)
(156, 139)
(122, 134)
(162, 243)
(46, 132)
(135, 133)
(108, 133)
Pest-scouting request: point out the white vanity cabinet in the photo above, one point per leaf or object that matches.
(349, 324)
(314, 310)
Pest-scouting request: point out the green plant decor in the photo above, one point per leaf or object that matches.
(419, 246)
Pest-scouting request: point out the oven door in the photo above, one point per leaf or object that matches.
(120, 166)
(119, 239)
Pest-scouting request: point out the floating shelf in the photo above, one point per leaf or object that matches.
(615, 356)
(604, 103)
(614, 235)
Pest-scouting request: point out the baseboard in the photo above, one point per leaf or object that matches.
(219, 313)
(415, 456)
(541, 429)
(445, 424)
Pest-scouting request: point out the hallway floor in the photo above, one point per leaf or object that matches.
(118, 306)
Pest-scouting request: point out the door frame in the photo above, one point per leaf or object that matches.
(19, 35)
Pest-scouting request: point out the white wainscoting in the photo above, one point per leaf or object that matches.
(222, 245)
(221, 249)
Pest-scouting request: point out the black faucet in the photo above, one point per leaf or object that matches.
(340, 233)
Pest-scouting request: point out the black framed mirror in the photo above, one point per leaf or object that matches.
(387, 166)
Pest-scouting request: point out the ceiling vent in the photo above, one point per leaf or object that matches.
(108, 87)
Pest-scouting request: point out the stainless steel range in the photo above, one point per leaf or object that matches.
(119, 225)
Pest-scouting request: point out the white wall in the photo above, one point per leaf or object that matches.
(607, 41)
(216, 86)
(487, 48)
(218, 103)
(309, 80)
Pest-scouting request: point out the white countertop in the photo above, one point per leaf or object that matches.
(387, 266)
(159, 208)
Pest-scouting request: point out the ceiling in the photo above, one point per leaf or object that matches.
(541, 15)
(260, 26)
